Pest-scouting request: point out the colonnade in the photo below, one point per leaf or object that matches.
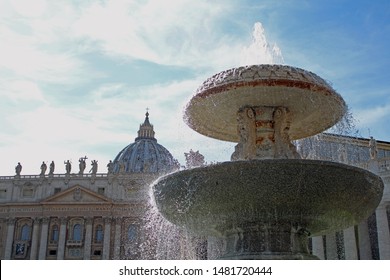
(39, 238)
(356, 240)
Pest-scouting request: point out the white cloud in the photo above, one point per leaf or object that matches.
(369, 116)
(49, 133)
(118, 101)
(21, 91)
(24, 7)
(36, 43)
(174, 33)
(374, 121)
(25, 58)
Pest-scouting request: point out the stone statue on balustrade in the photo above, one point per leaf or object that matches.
(43, 168)
(51, 168)
(94, 168)
(110, 167)
(82, 165)
(373, 148)
(194, 159)
(68, 166)
(18, 169)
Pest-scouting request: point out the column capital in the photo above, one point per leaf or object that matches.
(45, 220)
(11, 221)
(118, 220)
(63, 220)
(37, 220)
(88, 220)
(107, 220)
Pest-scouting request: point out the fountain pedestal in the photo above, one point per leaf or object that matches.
(267, 202)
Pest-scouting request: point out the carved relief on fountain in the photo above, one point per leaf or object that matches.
(267, 74)
(264, 134)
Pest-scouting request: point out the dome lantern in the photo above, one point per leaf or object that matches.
(145, 154)
(146, 129)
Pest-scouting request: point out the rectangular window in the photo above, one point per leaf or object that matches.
(97, 252)
(100, 190)
(3, 193)
(28, 192)
(57, 190)
(52, 252)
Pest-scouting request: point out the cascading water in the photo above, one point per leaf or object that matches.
(163, 240)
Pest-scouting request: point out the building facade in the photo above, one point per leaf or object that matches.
(105, 215)
(83, 215)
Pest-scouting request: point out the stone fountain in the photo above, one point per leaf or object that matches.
(267, 201)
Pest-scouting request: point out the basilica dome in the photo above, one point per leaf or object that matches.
(145, 154)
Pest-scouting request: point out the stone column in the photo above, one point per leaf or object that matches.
(35, 238)
(62, 239)
(44, 237)
(88, 238)
(364, 241)
(10, 238)
(318, 247)
(351, 252)
(106, 239)
(382, 224)
(117, 241)
(331, 247)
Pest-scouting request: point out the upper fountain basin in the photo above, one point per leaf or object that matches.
(314, 105)
(316, 195)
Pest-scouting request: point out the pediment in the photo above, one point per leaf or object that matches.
(77, 194)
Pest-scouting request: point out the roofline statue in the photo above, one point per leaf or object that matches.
(373, 148)
(94, 168)
(51, 168)
(18, 169)
(43, 168)
(68, 166)
(82, 165)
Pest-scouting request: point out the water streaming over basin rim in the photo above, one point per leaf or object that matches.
(320, 196)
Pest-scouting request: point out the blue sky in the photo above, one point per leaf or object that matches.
(76, 76)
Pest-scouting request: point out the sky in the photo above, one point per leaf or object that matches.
(76, 77)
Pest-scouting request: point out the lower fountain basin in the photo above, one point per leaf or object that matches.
(317, 196)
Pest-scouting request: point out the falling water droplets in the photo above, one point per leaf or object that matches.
(165, 241)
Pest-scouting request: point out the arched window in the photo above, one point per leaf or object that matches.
(25, 232)
(132, 232)
(54, 233)
(77, 232)
(99, 234)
